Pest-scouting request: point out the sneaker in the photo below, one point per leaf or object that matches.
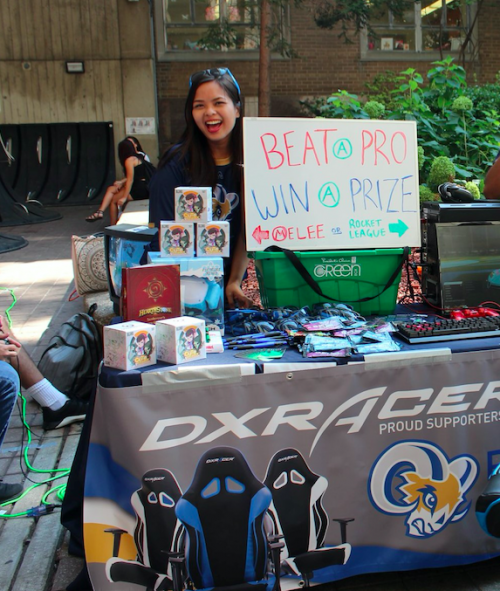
(9, 491)
(72, 412)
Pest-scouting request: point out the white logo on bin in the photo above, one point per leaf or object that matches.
(338, 270)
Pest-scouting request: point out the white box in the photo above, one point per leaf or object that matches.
(129, 345)
(193, 204)
(177, 239)
(212, 239)
(181, 339)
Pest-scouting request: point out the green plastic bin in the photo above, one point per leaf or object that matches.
(346, 276)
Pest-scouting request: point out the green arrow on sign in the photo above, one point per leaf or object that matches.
(399, 228)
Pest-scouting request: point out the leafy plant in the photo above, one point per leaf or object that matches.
(426, 194)
(442, 171)
(449, 122)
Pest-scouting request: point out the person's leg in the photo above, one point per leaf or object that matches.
(58, 410)
(9, 388)
(117, 206)
(112, 193)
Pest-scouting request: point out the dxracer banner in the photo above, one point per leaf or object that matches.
(396, 455)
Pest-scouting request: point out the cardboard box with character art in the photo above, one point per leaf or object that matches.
(129, 345)
(181, 339)
(193, 204)
(176, 239)
(212, 240)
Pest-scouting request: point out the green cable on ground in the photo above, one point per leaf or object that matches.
(60, 472)
(57, 489)
(14, 300)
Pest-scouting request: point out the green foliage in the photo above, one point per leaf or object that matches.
(381, 88)
(442, 171)
(374, 109)
(421, 157)
(426, 194)
(474, 189)
(449, 120)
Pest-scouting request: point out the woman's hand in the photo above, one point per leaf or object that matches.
(235, 296)
(9, 348)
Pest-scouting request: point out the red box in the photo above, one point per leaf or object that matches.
(151, 293)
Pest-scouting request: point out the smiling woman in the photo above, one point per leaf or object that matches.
(209, 154)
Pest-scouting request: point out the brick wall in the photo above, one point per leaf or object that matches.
(325, 65)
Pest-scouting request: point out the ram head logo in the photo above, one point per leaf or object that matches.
(416, 479)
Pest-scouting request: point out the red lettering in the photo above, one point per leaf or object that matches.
(290, 233)
(365, 146)
(405, 147)
(309, 145)
(319, 230)
(271, 150)
(288, 147)
(325, 145)
(299, 236)
(378, 147)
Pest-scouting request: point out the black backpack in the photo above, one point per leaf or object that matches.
(71, 360)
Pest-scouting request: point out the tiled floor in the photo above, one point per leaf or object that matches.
(33, 555)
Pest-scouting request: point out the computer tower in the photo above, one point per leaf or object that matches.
(461, 253)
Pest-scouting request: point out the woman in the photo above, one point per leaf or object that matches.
(209, 154)
(137, 169)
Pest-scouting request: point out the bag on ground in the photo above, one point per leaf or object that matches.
(71, 360)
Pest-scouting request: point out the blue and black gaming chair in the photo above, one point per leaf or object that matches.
(488, 505)
(300, 518)
(223, 513)
(157, 534)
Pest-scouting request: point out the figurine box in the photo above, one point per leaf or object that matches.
(177, 239)
(193, 204)
(202, 287)
(181, 339)
(212, 239)
(129, 345)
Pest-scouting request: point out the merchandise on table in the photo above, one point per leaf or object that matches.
(202, 287)
(181, 339)
(129, 345)
(151, 293)
(193, 204)
(177, 239)
(212, 239)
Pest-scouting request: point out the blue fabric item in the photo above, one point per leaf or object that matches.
(9, 388)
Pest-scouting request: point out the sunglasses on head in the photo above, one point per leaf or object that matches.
(214, 73)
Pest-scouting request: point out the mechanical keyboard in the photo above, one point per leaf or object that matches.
(448, 329)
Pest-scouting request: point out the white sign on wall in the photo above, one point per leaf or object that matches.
(140, 125)
(329, 184)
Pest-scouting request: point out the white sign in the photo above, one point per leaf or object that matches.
(140, 125)
(329, 184)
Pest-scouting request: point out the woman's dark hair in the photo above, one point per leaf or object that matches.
(193, 145)
(126, 149)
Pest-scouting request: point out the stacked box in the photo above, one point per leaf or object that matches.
(212, 239)
(129, 345)
(181, 339)
(176, 239)
(193, 204)
(202, 287)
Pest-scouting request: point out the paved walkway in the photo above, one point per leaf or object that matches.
(33, 554)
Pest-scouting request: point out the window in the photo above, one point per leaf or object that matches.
(220, 25)
(430, 27)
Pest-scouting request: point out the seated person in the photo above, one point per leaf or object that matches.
(58, 410)
(18, 369)
(492, 181)
(137, 169)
